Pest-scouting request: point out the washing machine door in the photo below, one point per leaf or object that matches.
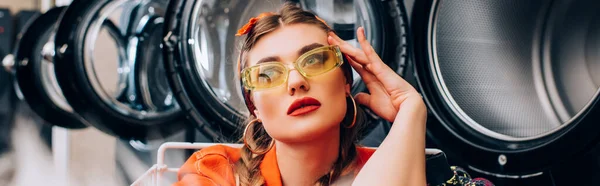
(109, 65)
(513, 86)
(34, 72)
(200, 48)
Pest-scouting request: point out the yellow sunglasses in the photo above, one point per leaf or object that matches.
(312, 63)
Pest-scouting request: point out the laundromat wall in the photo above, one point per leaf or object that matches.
(90, 89)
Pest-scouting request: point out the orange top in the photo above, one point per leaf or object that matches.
(214, 166)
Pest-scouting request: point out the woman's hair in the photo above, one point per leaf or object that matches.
(248, 166)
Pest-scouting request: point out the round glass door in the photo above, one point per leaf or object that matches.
(34, 71)
(510, 80)
(110, 60)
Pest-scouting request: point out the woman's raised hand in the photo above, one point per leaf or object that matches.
(388, 91)
(400, 158)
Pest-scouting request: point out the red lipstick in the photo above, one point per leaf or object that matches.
(303, 106)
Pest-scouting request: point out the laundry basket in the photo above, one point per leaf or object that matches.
(154, 175)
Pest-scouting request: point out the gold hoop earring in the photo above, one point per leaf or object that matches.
(355, 111)
(246, 142)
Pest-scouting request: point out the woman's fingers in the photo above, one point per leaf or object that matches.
(365, 75)
(381, 107)
(347, 48)
(363, 99)
(385, 74)
(373, 62)
(372, 83)
(366, 56)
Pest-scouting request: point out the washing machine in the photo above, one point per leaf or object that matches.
(108, 64)
(17, 120)
(513, 87)
(34, 76)
(28, 31)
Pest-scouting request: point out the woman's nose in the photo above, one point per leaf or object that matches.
(296, 82)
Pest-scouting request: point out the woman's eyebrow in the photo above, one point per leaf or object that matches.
(309, 47)
(269, 59)
(300, 52)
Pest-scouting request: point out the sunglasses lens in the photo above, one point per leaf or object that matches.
(271, 74)
(318, 62)
(266, 76)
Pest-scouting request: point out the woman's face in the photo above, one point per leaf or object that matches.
(273, 105)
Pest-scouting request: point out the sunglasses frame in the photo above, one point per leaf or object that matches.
(338, 57)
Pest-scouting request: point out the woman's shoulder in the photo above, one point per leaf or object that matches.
(211, 165)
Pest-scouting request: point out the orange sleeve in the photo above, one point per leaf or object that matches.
(363, 154)
(210, 166)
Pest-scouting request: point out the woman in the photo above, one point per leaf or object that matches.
(304, 122)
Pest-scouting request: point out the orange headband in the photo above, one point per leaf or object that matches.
(248, 26)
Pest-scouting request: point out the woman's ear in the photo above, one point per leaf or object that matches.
(347, 89)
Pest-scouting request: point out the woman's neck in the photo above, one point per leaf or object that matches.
(304, 163)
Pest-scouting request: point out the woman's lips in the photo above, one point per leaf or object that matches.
(304, 110)
(303, 106)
